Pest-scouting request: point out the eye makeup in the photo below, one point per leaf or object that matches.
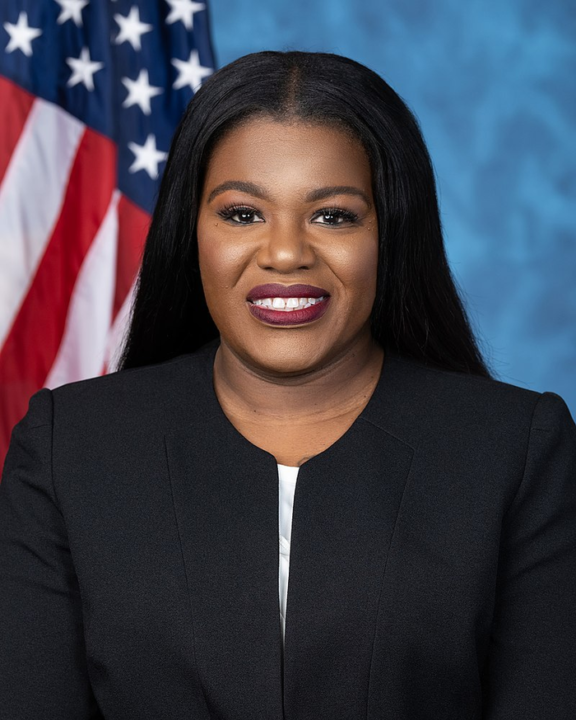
(246, 215)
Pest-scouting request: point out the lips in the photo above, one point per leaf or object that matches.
(272, 290)
(296, 317)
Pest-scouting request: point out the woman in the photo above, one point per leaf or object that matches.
(295, 321)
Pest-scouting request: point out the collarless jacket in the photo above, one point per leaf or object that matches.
(432, 569)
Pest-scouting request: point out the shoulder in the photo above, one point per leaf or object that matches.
(476, 432)
(136, 393)
(430, 400)
(461, 392)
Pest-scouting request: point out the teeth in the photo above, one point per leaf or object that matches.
(287, 304)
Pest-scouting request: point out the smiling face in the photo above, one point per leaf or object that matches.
(288, 205)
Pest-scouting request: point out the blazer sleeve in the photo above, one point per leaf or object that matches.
(531, 669)
(43, 670)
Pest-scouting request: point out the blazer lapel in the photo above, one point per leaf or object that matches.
(225, 494)
(346, 503)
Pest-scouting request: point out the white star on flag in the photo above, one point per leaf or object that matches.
(71, 10)
(131, 28)
(183, 10)
(21, 35)
(83, 69)
(140, 92)
(190, 72)
(146, 157)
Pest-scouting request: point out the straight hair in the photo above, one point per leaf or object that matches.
(417, 312)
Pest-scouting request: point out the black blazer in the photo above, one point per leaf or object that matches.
(432, 571)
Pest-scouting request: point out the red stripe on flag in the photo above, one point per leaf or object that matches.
(133, 224)
(15, 105)
(34, 339)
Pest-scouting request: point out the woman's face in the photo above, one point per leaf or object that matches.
(288, 244)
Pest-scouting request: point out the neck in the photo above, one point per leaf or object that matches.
(340, 387)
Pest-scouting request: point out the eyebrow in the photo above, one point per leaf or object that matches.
(313, 196)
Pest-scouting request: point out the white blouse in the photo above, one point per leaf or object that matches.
(287, 477)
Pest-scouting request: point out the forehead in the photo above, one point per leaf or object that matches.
(286, 155)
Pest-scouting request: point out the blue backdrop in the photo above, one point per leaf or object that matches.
(492, 84)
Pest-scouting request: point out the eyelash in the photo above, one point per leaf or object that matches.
(347, 217)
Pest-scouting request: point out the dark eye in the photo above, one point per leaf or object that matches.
(240, 215)
(334, 216)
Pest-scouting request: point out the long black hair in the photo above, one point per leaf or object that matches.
(417, 312)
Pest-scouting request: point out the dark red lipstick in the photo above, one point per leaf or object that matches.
(296, 316)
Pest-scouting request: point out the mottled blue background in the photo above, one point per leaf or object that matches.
(492, 84)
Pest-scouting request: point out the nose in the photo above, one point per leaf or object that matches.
(286, 248)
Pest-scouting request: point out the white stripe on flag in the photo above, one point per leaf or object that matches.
(31, 197)
(118, 330)
(82, 352)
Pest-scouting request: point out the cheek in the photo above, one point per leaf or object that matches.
(356, 267)
(221, 260)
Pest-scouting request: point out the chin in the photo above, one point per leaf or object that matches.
(285, 357)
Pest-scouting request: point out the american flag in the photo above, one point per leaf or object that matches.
(90, 94)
